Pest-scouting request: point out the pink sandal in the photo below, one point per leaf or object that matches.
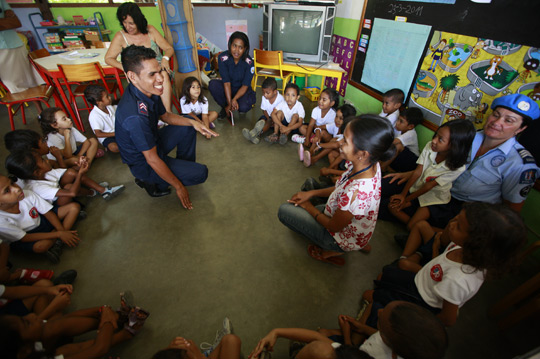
(301, 152)
(100, 153)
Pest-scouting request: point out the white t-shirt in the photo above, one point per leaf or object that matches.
(102, 121)
(320, 120)
(434, 171)
(48, 187)
(409, 139)
(56, 139)
(269, 107)
(3, 301)
(442, 279)
(13, 226)
(332, 129)
(289, 112)
(197, 108)
(392, 117)
(361, 197)
(376, 347)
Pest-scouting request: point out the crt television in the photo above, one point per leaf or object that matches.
(302, 32)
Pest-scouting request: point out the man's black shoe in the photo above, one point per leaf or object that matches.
(152, 189)
(222, 114)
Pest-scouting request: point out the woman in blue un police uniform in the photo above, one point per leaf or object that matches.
(233, 91)
(501, 170)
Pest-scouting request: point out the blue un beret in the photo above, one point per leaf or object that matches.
(520, 104)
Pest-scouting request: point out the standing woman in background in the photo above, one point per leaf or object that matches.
(136, 31)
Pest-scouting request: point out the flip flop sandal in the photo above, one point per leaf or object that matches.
(301, 152)
(100, 153)
(316, 253)
(126, 304)
(307, 158)
(136, 318)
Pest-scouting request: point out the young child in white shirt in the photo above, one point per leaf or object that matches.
(32, 224)
(59, 132)
(288, 115)
(195, 105)
(270, 100)
(102, 116)
(392, 101)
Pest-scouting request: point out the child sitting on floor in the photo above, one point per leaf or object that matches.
(485, 241)
(22, 335)
(441, 162)
(195, 105)
(406, 143)
(392, 101)
(405, 330)
(327, 137)
(31, 224)
(323, 114)
(29, 140)
(287, 116)
(101, 117)
(271, 98)
(58, 130)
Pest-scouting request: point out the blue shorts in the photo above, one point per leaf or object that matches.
(14, 307)
(285, 123)
(44, 227)
(77, 150)
(108, 140)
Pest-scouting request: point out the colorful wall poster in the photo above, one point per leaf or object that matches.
(460, 76)
(342, 50)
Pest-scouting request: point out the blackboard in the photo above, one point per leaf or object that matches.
(504, 20)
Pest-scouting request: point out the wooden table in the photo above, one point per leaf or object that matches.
(326, 70)
(49, 65)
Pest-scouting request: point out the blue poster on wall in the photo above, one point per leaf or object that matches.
(406, 42)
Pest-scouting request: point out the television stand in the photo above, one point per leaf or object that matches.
(329, 69)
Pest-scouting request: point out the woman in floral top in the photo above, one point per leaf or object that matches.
(347, 221)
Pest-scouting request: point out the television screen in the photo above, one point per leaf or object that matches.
(296, 31)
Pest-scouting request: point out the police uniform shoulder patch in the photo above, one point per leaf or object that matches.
(224, 58)
(526, 156)
(498, 160)
(525, 191)
(527, 176)
(248, 60)
(142, 107)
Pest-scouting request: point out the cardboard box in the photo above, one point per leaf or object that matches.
(92, 37)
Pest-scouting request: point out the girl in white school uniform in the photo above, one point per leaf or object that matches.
(59, 132)
(195, 104)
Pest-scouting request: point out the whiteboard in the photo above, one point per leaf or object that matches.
(393, 54)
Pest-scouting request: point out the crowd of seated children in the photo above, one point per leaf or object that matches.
(406, 143)
(101, 117)
(270, 100)
(29, 140)
(327, 137)
(194, 104)
(287, 116)
(442, 160)
(59, 132)
(485, 240)
(392, 102)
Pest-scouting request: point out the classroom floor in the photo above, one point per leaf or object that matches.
(230, 256)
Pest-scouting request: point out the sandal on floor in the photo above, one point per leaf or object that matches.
(307, 158)
(301, 152)
(126, 304)
(100, 153)
(136, 318)
(273, 138)
(316, 253)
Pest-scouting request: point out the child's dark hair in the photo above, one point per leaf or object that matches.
(413, 116)
(269, 83)
(347, 110)
(46, 120)
(351, 352)
(171, 353)
(18, 140)
(461, 136)
(22, 164)
(346, 121)
(373, 134)
(292, 85)
(395, 94)
(496, 237)
(333, 95)
(186, 86)
(94, 93)
(240, 35)
(416, 333)
(131, 9)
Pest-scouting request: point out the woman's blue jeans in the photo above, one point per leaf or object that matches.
(300, 221)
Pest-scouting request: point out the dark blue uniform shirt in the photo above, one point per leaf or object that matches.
(239, 74)
(136, 125)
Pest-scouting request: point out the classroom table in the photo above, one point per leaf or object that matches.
(325, 70)
(49, 65)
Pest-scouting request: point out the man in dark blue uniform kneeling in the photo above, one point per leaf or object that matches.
(144, 147)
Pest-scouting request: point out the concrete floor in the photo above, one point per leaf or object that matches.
(230, 256)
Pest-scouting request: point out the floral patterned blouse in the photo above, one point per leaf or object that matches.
(361, 197)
